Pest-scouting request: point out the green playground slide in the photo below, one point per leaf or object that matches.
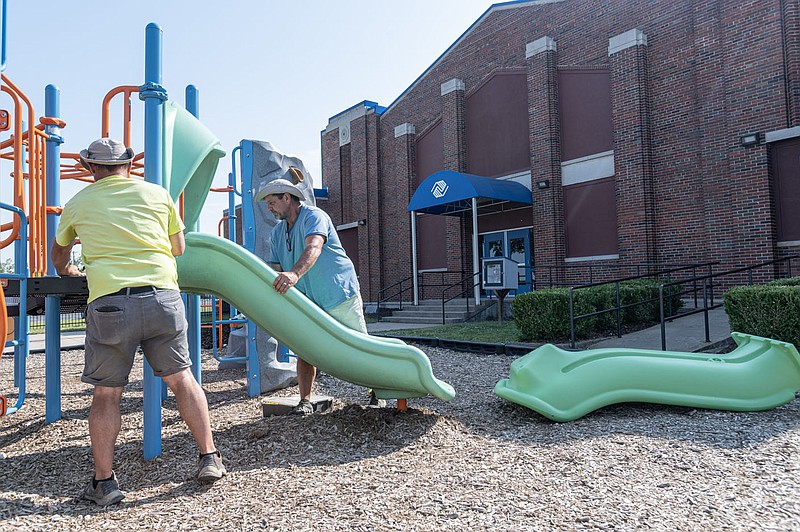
(393, 369)
(759, 374)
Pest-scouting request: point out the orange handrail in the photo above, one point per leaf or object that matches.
(34, 139)
(219, 225)
(19, 185)
(127, 90)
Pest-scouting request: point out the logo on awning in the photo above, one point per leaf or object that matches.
(439, 189)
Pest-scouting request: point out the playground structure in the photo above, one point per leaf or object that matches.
(182, 155)
(258, 163)
(39, 165)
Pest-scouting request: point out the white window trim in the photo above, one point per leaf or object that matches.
(589, 168)
(351, 225)
(782, 134)
(595, 257)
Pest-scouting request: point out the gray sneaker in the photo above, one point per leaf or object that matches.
(210, 468)
(107, 492)
(303, 408)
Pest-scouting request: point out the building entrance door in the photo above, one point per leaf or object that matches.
(516, 245)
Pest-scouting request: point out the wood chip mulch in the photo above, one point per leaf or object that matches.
(476, 463)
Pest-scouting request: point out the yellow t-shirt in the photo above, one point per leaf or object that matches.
(124, 227)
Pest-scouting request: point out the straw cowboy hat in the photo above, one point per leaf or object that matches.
(106, 151)
(279, 186)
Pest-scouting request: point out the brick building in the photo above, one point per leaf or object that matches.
(648, 131)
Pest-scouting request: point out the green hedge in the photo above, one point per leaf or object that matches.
(543, 315)
(791, 281)
(771, 310)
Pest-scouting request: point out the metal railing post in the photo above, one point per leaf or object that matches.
(705, 314)
(661, 313)
(619, 313)
(571, 320)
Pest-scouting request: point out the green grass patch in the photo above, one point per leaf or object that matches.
(484, 331)
(37, 328)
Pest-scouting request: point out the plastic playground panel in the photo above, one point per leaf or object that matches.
(759, 374)
(393, 369)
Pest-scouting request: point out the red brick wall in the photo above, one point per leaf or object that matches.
(712, 70)
(548, 203)
(630, 104)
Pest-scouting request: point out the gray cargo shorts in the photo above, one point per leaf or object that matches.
(117, 324)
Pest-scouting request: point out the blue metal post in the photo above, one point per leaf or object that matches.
(232, 195)
(249, 243)
(153, 95)
(52, 303)
(193, 300)
(3, 37)
(21, 344)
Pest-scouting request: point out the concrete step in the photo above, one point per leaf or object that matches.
(429, 314)
(416, 319)
(438, 308)
(438, 303)
(281, 406)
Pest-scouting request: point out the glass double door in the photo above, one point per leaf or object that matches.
(516, 245)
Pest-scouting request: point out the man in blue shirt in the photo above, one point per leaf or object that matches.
(307, 253)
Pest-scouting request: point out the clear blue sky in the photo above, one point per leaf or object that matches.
(271, 70)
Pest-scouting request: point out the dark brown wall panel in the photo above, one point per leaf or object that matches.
(585, 111)
(430, 145)
(591, 214)
(500, 221)
(497, 126)
(431, 242)
(786, 177)
(349, 240)
(431, 230)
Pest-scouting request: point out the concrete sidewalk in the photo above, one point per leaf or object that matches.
(384, 326)
(686, 334)
(69, 340)
(76, 339)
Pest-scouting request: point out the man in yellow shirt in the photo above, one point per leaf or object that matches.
(130, 234)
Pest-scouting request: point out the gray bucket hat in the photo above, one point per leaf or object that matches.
(279, 186)
(106, 151)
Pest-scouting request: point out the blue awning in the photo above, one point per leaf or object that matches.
(450, 193)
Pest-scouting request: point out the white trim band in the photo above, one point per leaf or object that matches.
(351, 225)
(596, 257)
(404, 129)
(589, 168)
(454, 84)
(625, 40)
(543, 44)
(782, 134)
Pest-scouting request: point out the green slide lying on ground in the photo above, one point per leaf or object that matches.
(393, 369)
(759, 374)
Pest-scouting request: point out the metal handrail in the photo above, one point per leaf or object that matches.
(593, 267)
(618, 308)
(422, 285)
(708, 293)
(465, 290)
(399, 293)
